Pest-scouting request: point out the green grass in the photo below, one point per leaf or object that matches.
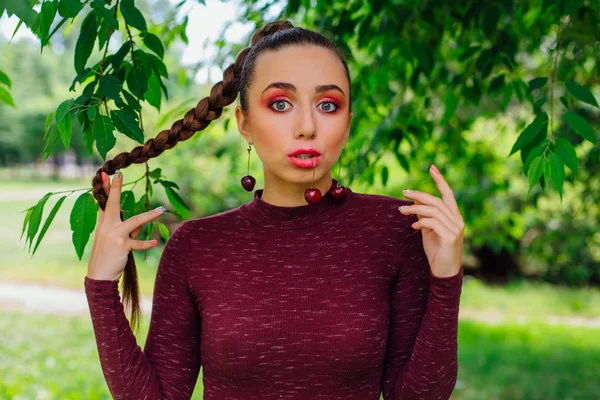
(56, 358)
(533, 361)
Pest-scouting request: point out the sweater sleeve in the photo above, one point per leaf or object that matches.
(169, 365)
(421, 362)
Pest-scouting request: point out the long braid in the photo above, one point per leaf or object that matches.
(196, 119)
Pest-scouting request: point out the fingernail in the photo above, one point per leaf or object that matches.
(117, 173)
(160, 208)
(104, 176)
(407, 190)
(434, 168)
(402, 208)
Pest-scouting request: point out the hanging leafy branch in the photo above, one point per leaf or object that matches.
(111, 100)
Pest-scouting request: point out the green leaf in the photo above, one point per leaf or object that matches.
(581, 93)
(536, 169)
(169, 184)
(155, 173)
(128, 204)
(119, 56)
(567, 153)
(496, 84)
(177, 202)
(164, 230)
(153, 43)
(5, 79)
(126, 122)
(105, 139)
(49, 119)
(6, 98)
(36, 218)
(47, 14)
(137, 81)
(536, 83)
(529, 133)
(26, 220)
(65, 127)
(132, 15)
(140, 206)
(384, 175)
(51, 141)
(557, 173)
(83, 221)
(564, 101)
(152, 94)
(48, 222)
(110, 86)
(451, 102)
(107, 24)
(63, 109)
(150, 230)
(85, 42)
(132, 101)
(581, 127)
(89, 136)
(99, 7)
(92, 112)
(69, 8)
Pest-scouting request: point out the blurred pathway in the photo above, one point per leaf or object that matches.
(38, 299)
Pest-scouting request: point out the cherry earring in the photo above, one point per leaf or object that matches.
(312, 195)
(248, 181)
(339, 191)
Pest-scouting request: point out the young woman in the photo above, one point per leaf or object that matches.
(309, 290)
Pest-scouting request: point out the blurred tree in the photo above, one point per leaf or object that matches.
(429, 77)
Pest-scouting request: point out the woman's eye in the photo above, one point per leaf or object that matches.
(328, 108)
(277, 108)
(280, 106)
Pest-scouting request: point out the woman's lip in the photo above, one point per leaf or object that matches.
(306, 163)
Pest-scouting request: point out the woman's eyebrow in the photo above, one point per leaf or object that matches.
(292, 88)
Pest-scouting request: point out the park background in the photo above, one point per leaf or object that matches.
(433, 82)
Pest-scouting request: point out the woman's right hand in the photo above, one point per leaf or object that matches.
(113, 238)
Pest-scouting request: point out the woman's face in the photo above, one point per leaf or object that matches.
(298, 99)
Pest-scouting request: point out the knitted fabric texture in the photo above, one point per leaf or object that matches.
(328, 301)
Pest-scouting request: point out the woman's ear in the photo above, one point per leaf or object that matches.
(349, 124)
(242, 123)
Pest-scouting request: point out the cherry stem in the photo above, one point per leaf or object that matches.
(248, 169)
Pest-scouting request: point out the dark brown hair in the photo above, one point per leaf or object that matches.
(236, 78)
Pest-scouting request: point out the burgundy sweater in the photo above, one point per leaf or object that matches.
(328, 301)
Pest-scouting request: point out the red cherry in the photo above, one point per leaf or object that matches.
(338, 192)
(312, 195)
(248, 182)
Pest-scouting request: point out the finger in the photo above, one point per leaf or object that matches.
(106, 183)
(135, 233)
(137, 245)
(113, 204)
(433, 212)
(435, 225)
(135, 222)
(445, 189)
(428, 199)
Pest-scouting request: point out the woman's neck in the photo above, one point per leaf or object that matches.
(288, 194)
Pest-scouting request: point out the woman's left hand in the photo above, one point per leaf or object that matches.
(441, 226)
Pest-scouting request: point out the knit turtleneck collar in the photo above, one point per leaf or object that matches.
(268, 215)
